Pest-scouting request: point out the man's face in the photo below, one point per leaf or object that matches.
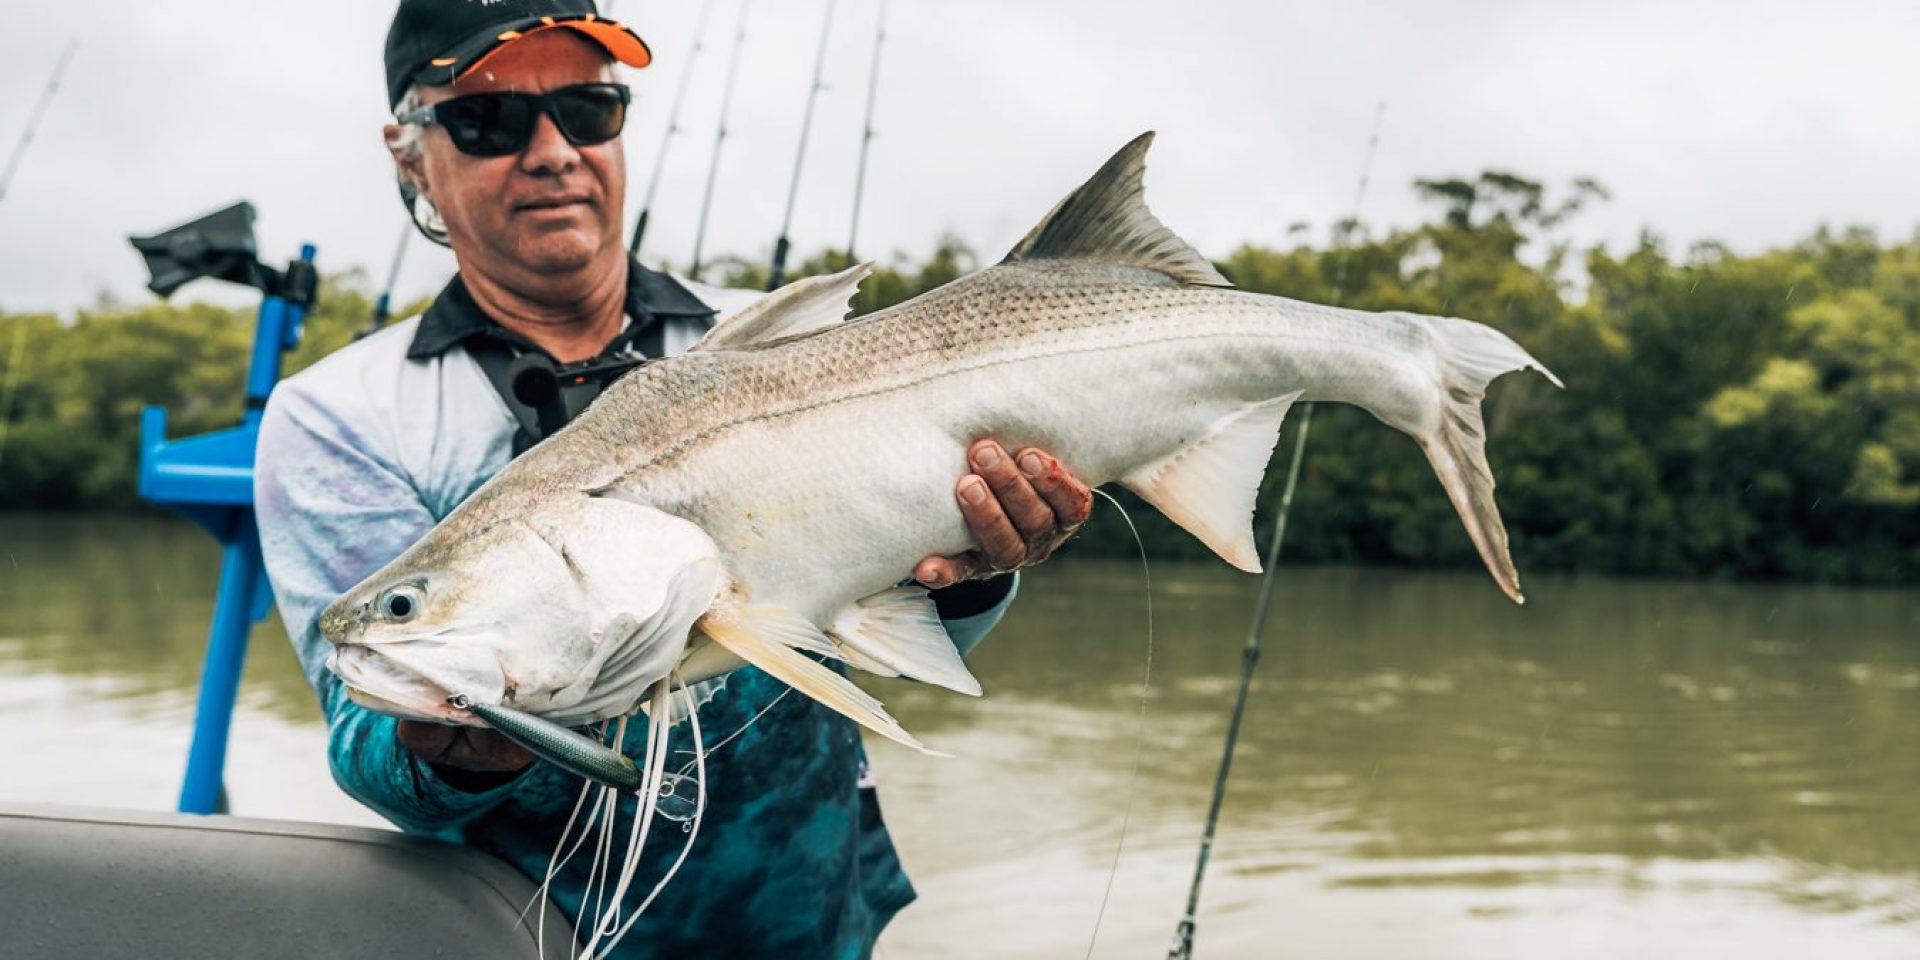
(552, 207)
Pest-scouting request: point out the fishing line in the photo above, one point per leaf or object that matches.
(608, 804)
(729, 738)
(606, 923)
(613, 801)
(1140, 742)
(556, 861)
(657, 742)
(637, 834)
(587, 788)
(693, 833)
(602, 851)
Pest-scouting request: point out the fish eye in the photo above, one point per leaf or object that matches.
(402, 603)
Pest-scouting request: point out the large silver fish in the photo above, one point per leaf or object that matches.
(759, 498)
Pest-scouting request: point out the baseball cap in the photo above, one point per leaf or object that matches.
(435, 42)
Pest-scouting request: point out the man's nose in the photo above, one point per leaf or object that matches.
(548, 151)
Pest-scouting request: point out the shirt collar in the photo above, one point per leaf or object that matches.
(454, 317)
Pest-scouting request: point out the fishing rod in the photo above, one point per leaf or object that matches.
(33, 120)
(16, 359)
(719, 137)
(1250, 654)
(866, 135)
(383, 307)
(781, 246)
(673, 128)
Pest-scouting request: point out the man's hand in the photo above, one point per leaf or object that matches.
(1019, 508)
(471, 758)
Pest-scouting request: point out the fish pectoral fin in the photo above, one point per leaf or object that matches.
(898, 632)
(764, 637)
(802, 306)
(1209, 486)
(1107, 221)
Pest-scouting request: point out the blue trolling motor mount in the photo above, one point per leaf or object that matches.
(209, 478)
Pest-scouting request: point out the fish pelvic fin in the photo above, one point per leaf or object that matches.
(801, 307)
(1107, 220)
(898, 633)
(771, 638)
(1472, 355)
(1209, 486)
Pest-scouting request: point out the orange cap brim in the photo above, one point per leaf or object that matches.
(620, 42)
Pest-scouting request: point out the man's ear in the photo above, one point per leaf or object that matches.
(407, 162)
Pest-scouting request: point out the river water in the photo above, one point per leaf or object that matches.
(1619, 769)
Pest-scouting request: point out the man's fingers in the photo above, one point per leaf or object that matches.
(1018, 509)
(937, 572)
(465, 748)
(1003, 546)
(429, 740)
(1071, 500)
(1024, 508)
(488, 750)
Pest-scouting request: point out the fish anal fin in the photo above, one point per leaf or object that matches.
(758, 636)
(1107, 221)
(1209, 486)
(899, 632)
(800, 307)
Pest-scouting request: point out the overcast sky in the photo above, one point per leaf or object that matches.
(1748, 122)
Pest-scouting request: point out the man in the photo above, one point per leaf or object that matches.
(506, 139)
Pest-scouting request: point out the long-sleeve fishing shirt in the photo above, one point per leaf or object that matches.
(362, 453)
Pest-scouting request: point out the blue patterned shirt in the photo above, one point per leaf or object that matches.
(365, 451)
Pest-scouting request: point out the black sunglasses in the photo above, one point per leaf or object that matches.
(501, 124)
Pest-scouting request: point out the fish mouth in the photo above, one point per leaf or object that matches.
(381, 681)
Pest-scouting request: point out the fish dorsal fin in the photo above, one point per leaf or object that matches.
(771, 638)
(802, 306)
(1107, 221)
(898, 633)
(1209, 486)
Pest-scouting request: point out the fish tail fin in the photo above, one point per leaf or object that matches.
(1472, 355)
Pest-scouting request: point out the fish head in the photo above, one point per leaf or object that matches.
(569, 610)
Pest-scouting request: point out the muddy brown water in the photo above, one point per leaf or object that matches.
(1621, 768)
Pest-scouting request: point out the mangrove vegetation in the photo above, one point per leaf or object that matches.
(1726, 414)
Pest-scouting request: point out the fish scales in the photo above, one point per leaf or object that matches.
(755, 501)
(761, 496)
(1065, 360)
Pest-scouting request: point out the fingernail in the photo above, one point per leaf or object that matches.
(974, 491)
(986, 457)
(1031, 465)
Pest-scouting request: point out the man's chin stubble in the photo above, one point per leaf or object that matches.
(551, 255)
